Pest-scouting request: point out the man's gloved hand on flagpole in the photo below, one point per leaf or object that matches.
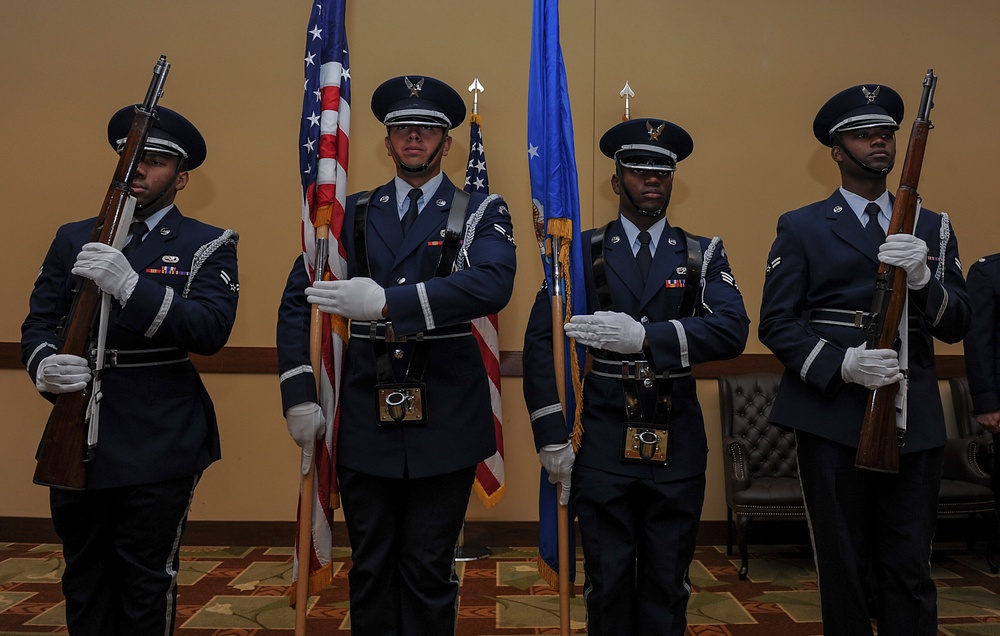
(355, 298)
(306, 424)
(558, 459)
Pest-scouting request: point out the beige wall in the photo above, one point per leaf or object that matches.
(745, 79)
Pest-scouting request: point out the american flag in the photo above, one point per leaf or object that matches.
(323, 152)
(489, 473)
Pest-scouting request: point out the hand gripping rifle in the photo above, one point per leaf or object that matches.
(63, 449)
(878, 447)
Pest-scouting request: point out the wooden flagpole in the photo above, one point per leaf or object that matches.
(306, 486)
(559, 363)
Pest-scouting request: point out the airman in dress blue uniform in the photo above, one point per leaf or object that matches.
(982, 344)
(405, 483)
(638, 477)
(176, 293)
(821, 270)
(982, 354)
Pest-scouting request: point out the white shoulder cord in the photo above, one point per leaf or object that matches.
(705, 262)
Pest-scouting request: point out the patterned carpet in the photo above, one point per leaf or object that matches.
(237, 591)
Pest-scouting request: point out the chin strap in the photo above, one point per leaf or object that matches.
(144, 206)
(422, 167)
(840, 142)
(628, 195)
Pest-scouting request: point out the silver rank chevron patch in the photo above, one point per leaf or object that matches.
(772, 265)
(729, 278)
(499, 228)
(233, 287)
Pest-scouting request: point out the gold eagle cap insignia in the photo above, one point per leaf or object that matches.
(654, 133)
(414, 88)
(871, 96)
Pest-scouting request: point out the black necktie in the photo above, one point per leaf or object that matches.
(136, 231)
(873, 228)
(644, 258)
(411, 211)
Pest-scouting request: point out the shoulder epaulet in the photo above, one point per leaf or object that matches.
(992, 258)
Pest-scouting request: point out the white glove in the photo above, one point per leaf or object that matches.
(910, 253)
(355, 298)
(871, 369)
(107, 267)
(557, 459)
(611, 330)
(306, 424)
(62, 373)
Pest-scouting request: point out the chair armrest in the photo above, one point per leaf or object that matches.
(961, 462)
(737, 463)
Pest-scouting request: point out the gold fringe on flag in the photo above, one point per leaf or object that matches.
(489, 500)
(318, 581)
(551, 576)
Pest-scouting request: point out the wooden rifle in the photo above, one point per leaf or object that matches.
(63, 451)
(878, 446)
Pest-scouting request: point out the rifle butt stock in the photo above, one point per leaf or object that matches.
(61, 453)
(878, 448)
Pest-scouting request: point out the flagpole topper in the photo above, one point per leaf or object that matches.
(626, 92)
(475, 88)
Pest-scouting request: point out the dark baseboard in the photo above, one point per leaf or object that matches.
(477, 533)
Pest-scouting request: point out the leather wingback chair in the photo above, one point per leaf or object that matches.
(970, 470)
(762, 475)
(968, 427)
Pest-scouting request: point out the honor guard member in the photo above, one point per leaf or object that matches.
(982, 352)
(176, 292)
(871, 531)
(424, 259)
(982, 344)
(659, 300)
